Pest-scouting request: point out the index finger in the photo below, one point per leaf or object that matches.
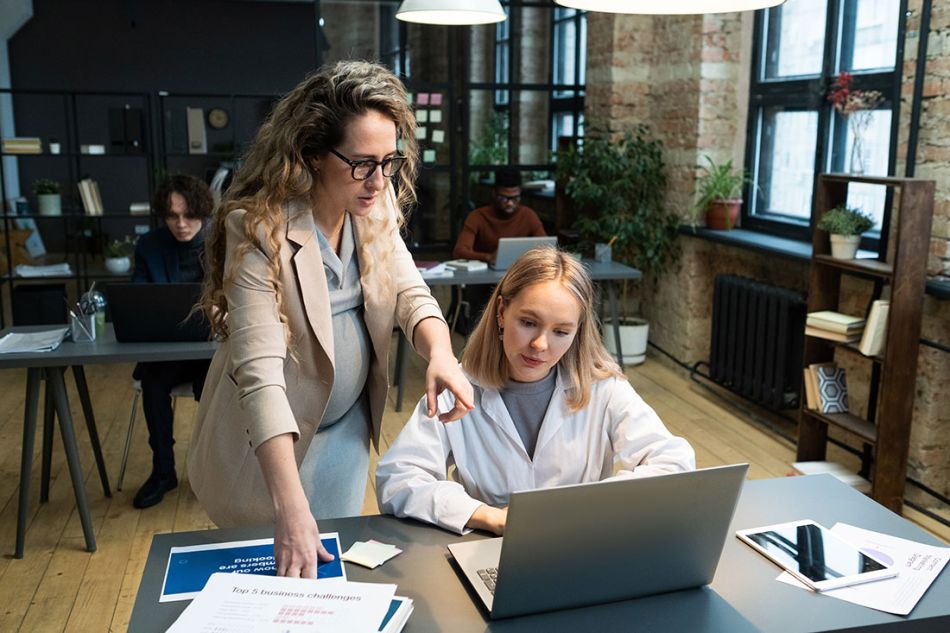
(457, 413)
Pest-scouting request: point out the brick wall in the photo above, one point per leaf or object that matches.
(687, 77)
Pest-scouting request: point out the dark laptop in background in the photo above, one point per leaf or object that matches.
(156, 313)
(592, 543)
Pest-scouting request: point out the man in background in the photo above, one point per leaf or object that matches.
(505, 217)
(171, 253)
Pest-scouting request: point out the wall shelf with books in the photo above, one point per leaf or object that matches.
(68, 137)
(886, 335)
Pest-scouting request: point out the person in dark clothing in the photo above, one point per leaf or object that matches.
(173, 252)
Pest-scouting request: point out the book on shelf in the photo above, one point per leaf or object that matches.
(197, 136)
(875, 334)
(812, 397)
(836, 470)
(91, 199)
(835, 322)
(832, 336)
(832, 389)
(140, 208)
(22, 145)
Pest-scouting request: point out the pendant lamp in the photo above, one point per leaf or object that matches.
(451, 12)
(668, 7)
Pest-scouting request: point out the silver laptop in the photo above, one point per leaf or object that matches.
(600, 542)
(511, 248)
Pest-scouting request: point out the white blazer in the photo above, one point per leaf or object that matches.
(616, 431)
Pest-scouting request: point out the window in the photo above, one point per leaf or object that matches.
(794, 131)
(392, 39)
(568, 66)
(502, 62)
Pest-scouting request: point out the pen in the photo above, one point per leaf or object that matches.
(612, 240)
(80, 323)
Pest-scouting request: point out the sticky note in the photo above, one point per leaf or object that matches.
(421, 133)
(435, 116)
(423, 98)
(428, 156)
(436, 99)
(422, 116)
(370, 553)
(438, 136)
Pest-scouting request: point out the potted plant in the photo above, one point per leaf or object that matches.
(118, 255)
(720, 194)
(618, 186)
(48, 198)
(845, 226)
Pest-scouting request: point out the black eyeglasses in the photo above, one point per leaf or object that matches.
(364, 169)
(503, 198)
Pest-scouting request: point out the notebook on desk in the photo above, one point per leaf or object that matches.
(614, 540)
(511, 248)
(156, 313)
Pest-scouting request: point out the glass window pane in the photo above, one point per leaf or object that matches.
(582, 62)
(787, 162)
(875, 34)
(869, 155)
(796, 36)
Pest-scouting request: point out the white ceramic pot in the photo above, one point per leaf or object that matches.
(844, 246)
(633, 339)
(49, 204)
(118, 265)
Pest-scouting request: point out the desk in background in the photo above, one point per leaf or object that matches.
(743, 597)
(608, 272)
(52, 366)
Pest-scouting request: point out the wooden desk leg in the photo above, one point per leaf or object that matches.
(55, 377)
(33, 377)
(400, 369)
(49, 419)
(615, 315)
(80, 375)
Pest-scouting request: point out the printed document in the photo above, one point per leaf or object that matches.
(919, 566)
(190, 567)
(21, 342)
(232, 603)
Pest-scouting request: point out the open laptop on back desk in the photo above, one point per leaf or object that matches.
(600, 542)
(511, 248)
(152, 313)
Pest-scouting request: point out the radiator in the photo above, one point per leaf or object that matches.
(757, 339)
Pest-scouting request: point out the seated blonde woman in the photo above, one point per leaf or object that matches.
(551, 408)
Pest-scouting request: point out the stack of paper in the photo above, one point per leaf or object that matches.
(834, 326)
(22, 145)
(20, 342)
(836, 470)
(52, 270)
(470, 265)
(370, 553)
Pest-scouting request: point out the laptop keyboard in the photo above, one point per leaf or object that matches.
(489, 577)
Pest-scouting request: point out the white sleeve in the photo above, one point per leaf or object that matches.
(412, 479)
(642, 445)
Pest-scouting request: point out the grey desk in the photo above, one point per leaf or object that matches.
(608, 272)
(52, 366)
(743, 597)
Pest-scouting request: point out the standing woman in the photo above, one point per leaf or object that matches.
(308, 274)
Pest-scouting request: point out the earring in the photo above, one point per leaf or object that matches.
(501, 333)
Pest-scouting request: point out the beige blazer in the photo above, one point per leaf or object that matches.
(256, 388)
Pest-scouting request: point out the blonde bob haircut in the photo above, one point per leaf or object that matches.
(305, 124)
(586, 360)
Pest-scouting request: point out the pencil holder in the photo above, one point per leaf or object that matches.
(82, 328)
(602, 253)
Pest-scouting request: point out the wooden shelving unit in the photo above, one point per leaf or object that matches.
(886, 431)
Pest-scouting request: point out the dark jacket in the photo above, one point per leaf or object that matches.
(156, 256)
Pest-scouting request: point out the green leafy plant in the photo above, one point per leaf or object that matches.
(120, 248)
(719, 182)
(43, 186)
(491, 146)
(843, 220)
(618, 187)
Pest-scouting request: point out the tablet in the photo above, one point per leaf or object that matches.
(815, 555)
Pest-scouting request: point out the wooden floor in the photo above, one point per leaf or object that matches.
(58, 586)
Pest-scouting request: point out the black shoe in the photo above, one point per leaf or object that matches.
(153, 490)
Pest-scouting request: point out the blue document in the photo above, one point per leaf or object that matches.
(190, 567)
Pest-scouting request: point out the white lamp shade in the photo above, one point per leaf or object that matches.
(451, 12)
(669, 7)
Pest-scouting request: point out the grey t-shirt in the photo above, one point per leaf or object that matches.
(527, 402)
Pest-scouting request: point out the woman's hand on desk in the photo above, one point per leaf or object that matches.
(489, 518)
(297, 545)
(444, 373)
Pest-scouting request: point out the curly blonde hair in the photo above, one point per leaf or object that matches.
(585, 362)
(305, 124)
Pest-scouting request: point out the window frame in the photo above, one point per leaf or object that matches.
(810, 93)
(574, 102)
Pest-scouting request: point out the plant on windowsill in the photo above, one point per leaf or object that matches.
(118, 255)
(720, 194)
(618, 189)
(845, 226)
(48, 197)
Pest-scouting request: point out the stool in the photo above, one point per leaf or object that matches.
(184, 390)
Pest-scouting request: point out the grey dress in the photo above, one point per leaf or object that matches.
(335, 467)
